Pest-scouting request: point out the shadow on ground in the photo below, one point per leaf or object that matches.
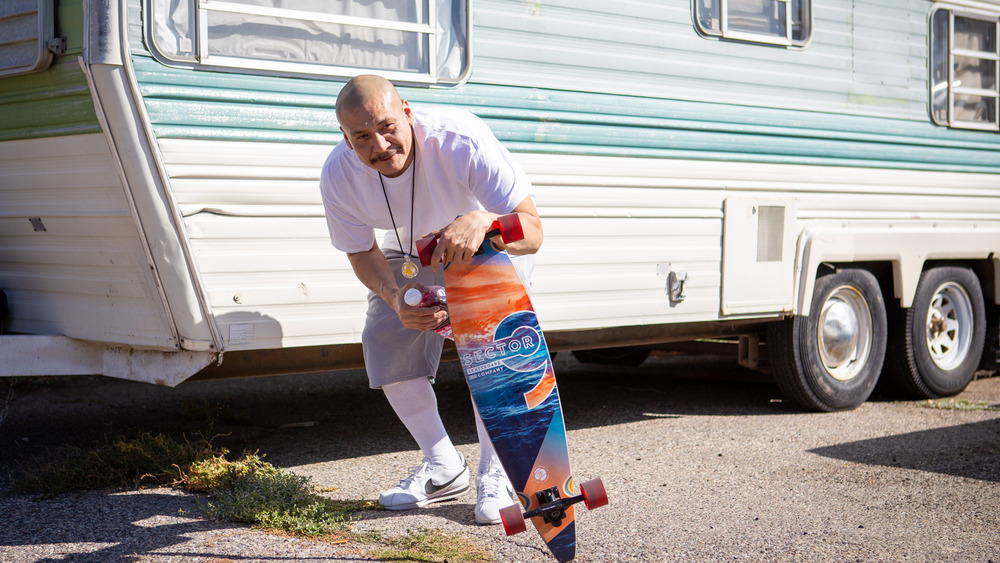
(329, 416)
(965, 450)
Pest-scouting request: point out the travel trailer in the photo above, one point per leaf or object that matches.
(815, 179)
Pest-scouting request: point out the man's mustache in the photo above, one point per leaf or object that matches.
(393, 151)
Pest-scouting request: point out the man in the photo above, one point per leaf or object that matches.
(412, 172)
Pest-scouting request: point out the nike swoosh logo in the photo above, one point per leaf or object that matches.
(430, 488)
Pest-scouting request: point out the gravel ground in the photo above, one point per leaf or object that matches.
(702, 462)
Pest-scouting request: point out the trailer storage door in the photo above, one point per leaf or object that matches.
(758, 255)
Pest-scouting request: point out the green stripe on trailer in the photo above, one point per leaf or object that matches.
(193, 104)
(47, 104)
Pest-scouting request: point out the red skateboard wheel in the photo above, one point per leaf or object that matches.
(425, 247)
(510, 228)
(594, 495)
(513, 520)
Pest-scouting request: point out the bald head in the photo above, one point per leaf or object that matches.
(362, 91)
(377, 124)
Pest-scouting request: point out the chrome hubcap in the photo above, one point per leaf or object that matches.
(844, 333)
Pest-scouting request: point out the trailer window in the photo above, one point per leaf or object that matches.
(410, 40)
(26, 31)
(779, 22)
(964, 69)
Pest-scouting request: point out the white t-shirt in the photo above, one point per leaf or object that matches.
(460, 167)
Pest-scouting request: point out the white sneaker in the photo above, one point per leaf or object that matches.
(493, 492)
(426, 484)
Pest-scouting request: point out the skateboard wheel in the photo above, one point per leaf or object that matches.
(425, 247)
(594, 495)
(510, 228)
(513, 520)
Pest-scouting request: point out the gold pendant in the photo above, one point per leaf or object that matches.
(409, 269)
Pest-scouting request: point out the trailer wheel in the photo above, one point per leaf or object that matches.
(938, 342)
(831, 359)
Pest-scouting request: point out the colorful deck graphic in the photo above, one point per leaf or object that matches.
(507, 364)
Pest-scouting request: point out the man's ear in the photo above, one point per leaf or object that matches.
(346, 140)
(408, 112)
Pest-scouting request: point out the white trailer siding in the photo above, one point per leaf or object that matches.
(71, 259)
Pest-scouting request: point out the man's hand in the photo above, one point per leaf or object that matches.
(459, 241)
(419, 318)
(373, 270)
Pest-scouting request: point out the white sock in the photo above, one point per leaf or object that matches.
(416, 406)
(486, 451)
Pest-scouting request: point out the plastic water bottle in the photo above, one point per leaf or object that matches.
(433, 295)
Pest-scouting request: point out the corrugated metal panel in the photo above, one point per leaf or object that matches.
(607, 253)
(608, 222)
(79, 270)
(254, 218)
(280, 274)
(554, 121)
(43, 104)
(550, 78)
(650, 48)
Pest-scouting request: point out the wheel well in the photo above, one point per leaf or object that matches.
(882, 270)
(985, 270)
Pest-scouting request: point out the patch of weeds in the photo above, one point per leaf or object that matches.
(428, 546)
(149, 458)
(958, 405)
(252, 491)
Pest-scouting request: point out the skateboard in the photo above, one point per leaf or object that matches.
(509, 371)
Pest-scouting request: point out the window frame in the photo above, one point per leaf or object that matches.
(45, 33)
(201, 58)
(950, 84)
(724, 31)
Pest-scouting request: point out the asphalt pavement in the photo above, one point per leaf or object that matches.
(702, 461)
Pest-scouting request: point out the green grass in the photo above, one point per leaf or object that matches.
(252, 491)
(117, 462)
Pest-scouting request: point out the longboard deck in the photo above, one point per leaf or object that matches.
(509, 371)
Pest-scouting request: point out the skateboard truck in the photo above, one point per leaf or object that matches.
(552, 508)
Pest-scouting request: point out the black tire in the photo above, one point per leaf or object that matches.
(837, 368)
(938, 342)
(625, 356)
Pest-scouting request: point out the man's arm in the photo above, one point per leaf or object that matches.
(463, 236)
(372, 268)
